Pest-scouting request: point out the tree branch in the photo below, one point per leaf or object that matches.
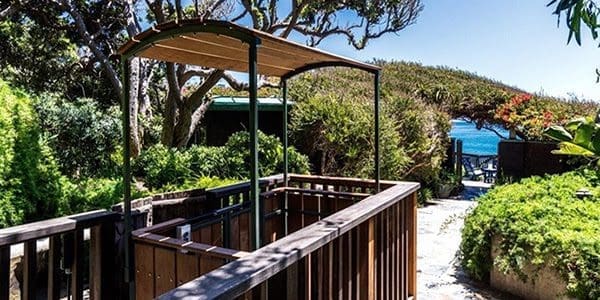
(82, 30)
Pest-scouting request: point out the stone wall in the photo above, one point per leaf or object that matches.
(543, 283)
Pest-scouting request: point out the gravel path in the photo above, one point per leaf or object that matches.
(439, 275)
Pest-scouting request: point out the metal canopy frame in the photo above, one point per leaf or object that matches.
(253, 39)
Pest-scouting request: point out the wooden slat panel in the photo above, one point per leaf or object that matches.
(356, 248)
(294, 215)
(77, 268)
(144, 271)
(187, 267)
(321, 277)
(29, 269)
(348, 258)
(108, 252)
(195, 247)
(411, 219)
(244, 232)
(292, 286)
(169, 54)
(4, 272)
(235, 232)
(380, 255)
(95, 263)
(164, 270)
(54, 271)
(268, 222)
(387, 269)
(234, 48)
(404, 256)
(311, 204)
(216, 234)
(393, 253)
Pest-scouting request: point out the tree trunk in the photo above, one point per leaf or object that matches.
(134, 106)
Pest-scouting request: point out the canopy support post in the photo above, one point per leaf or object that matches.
(377, 167)
(285, 154)
(253, 120)
(127, 245)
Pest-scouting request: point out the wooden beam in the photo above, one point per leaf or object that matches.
(37, 230)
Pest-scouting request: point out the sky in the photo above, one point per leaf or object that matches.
(514, 41)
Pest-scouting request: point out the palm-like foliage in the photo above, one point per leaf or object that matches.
(578, 137)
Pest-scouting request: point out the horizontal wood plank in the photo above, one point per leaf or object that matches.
(41, 229)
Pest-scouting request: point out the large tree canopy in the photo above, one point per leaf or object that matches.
(180, 92)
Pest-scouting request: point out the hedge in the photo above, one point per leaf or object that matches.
(540, 221)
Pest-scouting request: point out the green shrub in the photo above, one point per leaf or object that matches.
(95, 193)
(82, 135)
(31, 186)
(200, 183)
(159, 166)
(270, 156)
(341, 132)
(539, 221)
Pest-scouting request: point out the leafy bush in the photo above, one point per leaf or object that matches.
(31, 186)
(200, 183)
(333, 120)
(342, 133)
(159, 166)
(270, 156)
(82, 135)
(539, 221)
(94, 193)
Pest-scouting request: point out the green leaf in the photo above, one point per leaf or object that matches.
(568, 148)
(558, 133)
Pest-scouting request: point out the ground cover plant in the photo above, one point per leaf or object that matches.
(540, 221)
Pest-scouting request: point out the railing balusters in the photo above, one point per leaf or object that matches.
(29, 269)
(54, 272)
(4, 272)
(77, 266)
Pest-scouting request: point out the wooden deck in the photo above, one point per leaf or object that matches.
(323, 237)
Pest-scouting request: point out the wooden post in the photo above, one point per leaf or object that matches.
(102, 261)
(367, 262)
(459, 151)
(412, 246)
(54, 267)
(29, 270)
(77, 265)
(4, 271)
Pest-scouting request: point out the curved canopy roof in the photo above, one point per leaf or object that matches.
(224, 45)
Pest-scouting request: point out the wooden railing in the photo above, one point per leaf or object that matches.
(163, 262)
(66, 247)
(365, 251)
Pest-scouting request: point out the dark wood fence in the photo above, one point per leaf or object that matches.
(66, 244)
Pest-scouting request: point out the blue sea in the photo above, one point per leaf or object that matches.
(481, 142)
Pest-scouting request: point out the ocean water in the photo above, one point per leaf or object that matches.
(481, 142)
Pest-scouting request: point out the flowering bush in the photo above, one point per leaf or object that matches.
(529, 116)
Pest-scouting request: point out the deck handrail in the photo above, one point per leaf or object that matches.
(239, 276)
(42, 229)
(65, 243)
